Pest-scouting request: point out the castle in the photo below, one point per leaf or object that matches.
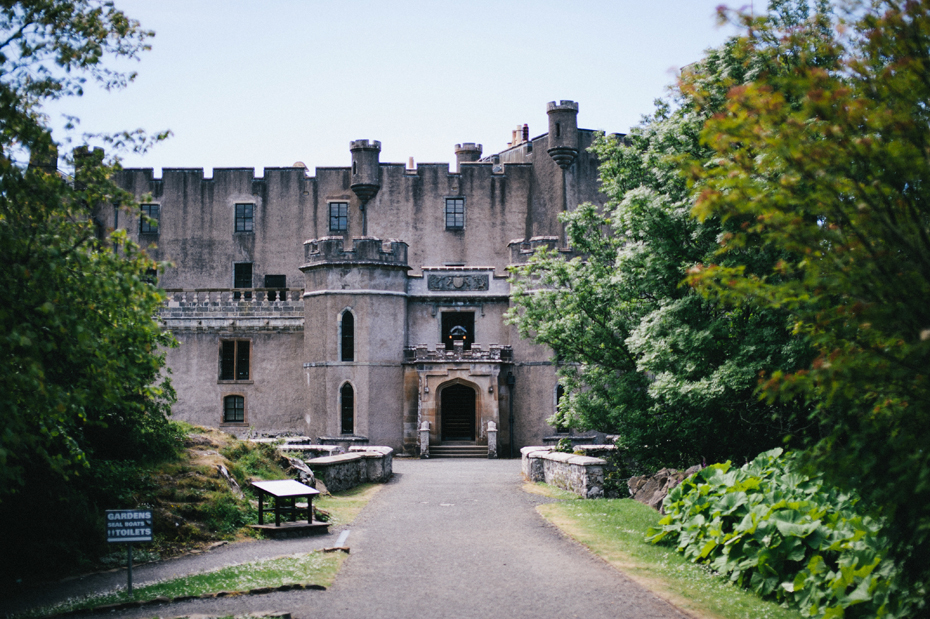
(387, 325)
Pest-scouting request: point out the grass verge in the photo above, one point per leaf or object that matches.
(615, 530)
(346, 506)
(316, 568)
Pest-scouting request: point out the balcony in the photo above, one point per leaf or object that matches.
(495, 353)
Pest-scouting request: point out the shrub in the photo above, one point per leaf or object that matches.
(788, 536)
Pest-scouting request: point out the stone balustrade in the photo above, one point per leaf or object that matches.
(421, 353)
(582, 475)
(202, 309)
(238, 297)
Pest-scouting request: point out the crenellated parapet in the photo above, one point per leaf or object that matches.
(330, 250)
(521, 250)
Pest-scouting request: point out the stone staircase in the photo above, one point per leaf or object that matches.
(458, 449)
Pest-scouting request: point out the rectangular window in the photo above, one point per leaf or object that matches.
(245, 217)
(234, 360)
(455, 213)
(338, 216)
(233, 409)
(148, 223)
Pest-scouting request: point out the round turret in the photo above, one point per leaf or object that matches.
(366, 168)
(467, 153)
(563, 132)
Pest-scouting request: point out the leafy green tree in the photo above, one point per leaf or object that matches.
(642, 355)
(828, 166)
(83, 389)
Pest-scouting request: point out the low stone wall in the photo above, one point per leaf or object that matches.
(346, 471)
(582, 475)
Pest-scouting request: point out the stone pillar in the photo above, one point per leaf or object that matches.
(492, 440)
(424, 440)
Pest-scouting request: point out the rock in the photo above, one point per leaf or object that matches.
(595, 492)
(652, 489)
(233, 484)
(297, 469)
(193, 440)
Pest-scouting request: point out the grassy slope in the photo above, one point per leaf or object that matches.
(615, 529)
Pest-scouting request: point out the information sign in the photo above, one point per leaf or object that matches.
(126, 526)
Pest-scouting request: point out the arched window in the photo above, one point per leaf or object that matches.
(347, 406)
(347, 339)
(233, 409)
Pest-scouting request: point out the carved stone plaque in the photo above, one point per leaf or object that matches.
(457, 282)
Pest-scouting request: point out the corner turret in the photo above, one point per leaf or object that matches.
(366, 173)
(563, 132)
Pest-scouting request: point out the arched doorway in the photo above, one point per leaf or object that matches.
(457, 413)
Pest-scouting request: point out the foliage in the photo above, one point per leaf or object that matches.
(785, 535)
(640, 354)
(827, 165)
(82, 373)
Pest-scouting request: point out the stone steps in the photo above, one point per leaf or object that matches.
(458, 451)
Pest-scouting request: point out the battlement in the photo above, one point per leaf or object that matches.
(365, 145)
(562, 106)
(522, 249)
(365, 250)
(468, 147)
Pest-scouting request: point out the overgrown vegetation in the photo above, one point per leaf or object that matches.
(85, 394)
(761, 274)
(786, 536)
(192, 503)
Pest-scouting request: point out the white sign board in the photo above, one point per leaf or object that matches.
(125, 526)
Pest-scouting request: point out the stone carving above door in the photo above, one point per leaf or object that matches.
(457, 282)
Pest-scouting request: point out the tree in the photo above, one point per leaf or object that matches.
(82, 372)
(828, 165)
(640, 354)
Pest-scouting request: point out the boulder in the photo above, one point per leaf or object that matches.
(296, 468)
(652, 489)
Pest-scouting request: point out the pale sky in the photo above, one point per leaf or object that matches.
(253, 84)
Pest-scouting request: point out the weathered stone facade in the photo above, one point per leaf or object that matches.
(389, 318)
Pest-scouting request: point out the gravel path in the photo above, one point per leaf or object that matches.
(446, 538)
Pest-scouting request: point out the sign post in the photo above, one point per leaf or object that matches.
(125, 526)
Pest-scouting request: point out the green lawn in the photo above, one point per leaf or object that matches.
(615, 530)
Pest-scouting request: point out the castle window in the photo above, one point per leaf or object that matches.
(276, 285)
(347, 336)
(559, 392)
(338, 216)
(234, 360)
(455, 213)
(242, 278)
(458, 326)
(347, 408)
(245, 217)
(148, 223)
(233, 409)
